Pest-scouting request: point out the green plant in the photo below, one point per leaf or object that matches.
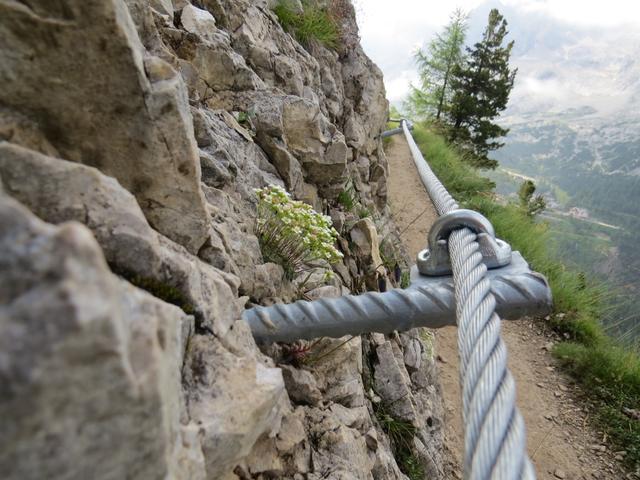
(436, 65)
(528, 203)
(159, 289)
(312, 24)
(292, 234)
(611, 376)
(405, 279)
(401, 433)
(348, 197)
(243, 118)
(364, 213)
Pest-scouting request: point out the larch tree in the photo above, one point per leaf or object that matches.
(436, 65)
(481, 87)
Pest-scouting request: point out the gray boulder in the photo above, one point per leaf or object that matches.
(106, 104)
(59, 191)
(233, 400)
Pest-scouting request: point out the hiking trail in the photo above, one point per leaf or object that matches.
(561, 442)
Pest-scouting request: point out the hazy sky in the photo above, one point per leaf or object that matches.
(391, 33)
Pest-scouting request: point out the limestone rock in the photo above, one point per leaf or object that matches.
(214, 173)
(413, 351)
(339, 450)
(301, 385)
(339, 372)
(88, 364)
(316, 142)
(231, 150)
(391, 384)
(164, 7)
(292, 431)
(367, 247)
(102, 109)
(60, 191)
(296, 134)
(197, 21)
(285, 455)
(17, 128)
(264, 458)
(217, 394)
(206, 59)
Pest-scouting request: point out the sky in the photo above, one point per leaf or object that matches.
(390, 35)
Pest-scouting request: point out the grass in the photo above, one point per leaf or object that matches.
(608, 373)
(400, 433)
(405, 279)
(348, 197)
(159, 289)
(313, 24)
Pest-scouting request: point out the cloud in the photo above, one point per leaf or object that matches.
(398, 86)
(585, 13)
(567, 53)
(390, 35)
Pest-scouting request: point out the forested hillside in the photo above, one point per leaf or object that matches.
(588, 168)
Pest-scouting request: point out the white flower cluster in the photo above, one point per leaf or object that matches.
(293, 230)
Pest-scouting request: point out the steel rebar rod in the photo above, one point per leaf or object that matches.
(429, 302)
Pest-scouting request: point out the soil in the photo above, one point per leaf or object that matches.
(561, 442)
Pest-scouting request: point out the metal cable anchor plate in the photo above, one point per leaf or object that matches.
(435, 260)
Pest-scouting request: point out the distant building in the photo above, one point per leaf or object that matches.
(576, 212)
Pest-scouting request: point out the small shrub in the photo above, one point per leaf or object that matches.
(313, 24)
(292, 234)
(244, 119)
(528, 203)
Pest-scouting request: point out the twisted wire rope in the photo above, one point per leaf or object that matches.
(494, 431)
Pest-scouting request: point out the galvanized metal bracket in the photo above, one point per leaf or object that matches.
(435, 260)
(396, 131)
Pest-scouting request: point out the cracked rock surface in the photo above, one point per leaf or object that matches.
(132, 136)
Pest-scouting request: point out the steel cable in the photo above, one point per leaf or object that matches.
(495, 435)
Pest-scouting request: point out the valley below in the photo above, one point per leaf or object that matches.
(587, 167)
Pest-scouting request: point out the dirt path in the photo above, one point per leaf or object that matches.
(561, 444)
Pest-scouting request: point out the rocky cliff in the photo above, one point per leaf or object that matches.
(132, 136)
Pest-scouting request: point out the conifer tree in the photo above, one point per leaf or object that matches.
(436, 65)
(528, 203)
(481, 91)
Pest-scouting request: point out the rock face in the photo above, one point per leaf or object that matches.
(109, 104)
(84, 356)
(132, 136)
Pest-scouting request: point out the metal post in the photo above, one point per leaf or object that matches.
(428, 302)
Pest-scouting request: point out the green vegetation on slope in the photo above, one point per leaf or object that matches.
(311, 24)
(609, 374)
